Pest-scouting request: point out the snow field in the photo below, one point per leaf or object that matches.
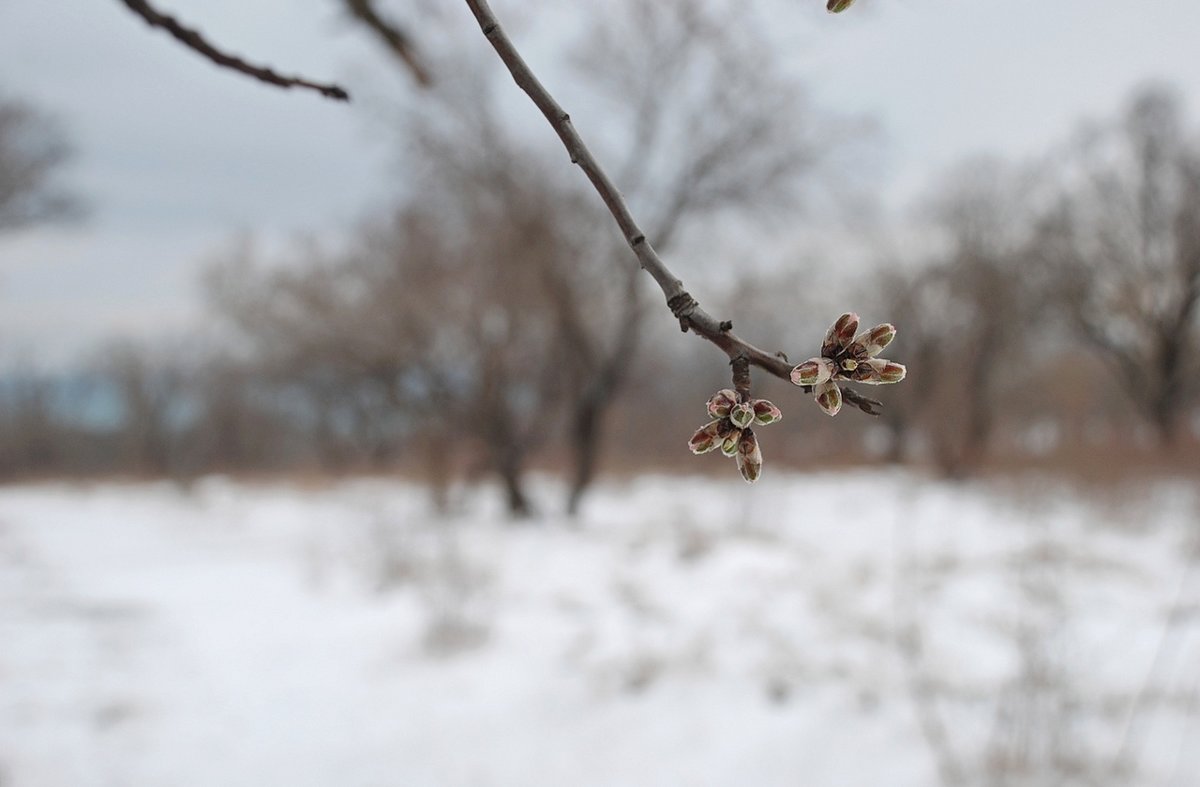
(812, 630)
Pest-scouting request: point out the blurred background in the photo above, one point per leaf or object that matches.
(344, 443)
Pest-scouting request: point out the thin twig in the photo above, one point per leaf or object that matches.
(394, 37)
(682, 304)
(741, 377)
(864, 403)
(196, 42)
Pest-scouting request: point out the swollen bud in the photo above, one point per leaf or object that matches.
(873, 341)
(814, 371)
(749, 457)
(829, 397)
(722, 402)
(878, 371)
(765, 413)
(838, 6)
(729, 446)
(840, 335)
(742, 415)
(706, 438)
(891, 372)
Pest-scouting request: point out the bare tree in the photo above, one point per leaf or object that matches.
(312, 333)
(441, 312)
(148, 390)
(970, 313)
(1125, 242)
(32, 152)
(30, 438)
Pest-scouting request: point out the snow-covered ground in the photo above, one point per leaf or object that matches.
(863, 629)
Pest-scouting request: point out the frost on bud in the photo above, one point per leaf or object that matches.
(838, 6)
(749, 457)
(722, 402)
(729, 446)
(871, 343)
(840, 335)
(814, 371)
(741, 415)
(706, 438)
(765, 413)
(829, 397)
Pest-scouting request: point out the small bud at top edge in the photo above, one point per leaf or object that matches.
(841, 334)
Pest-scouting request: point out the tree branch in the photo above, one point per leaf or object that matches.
(394, 37)
(682, 304)
(864, 403)
(196, 42)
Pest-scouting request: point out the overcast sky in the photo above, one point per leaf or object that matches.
(176, 158)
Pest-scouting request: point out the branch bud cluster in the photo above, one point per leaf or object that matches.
(731, 430)
(848, 358)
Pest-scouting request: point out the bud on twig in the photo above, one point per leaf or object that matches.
(877, 371)
(838, 6)
(731, 432)
(829, 397)
(729, 446)
(742, 415)
(846, 358)
(749, 457)
(814, 371)
(765, 413)
(840, 334)
(873, 341)
(706, 438)
(722, 402)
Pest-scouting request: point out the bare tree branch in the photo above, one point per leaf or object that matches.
(194, 41)
(32, 152)
(394, 37)
(685, 308)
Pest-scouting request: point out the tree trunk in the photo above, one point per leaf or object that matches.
(585, 445)
(1163, 415)
(592, 404)
(509, 469)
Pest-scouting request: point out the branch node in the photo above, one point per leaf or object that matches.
(726, 325)
(682, 305)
